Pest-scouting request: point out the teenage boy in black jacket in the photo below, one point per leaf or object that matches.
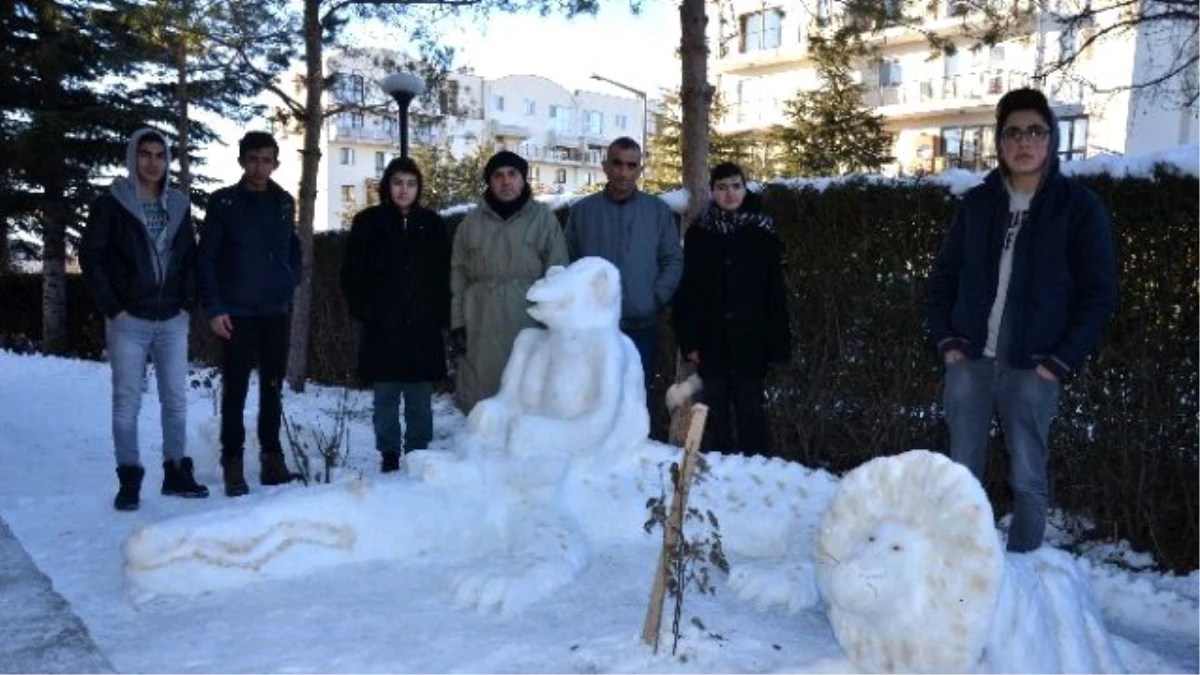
(137, 255)
(248, 267)
(1021, 289)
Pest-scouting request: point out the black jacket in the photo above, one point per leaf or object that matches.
(247, 266)
(118, 269)
(1064, 277)
(731, 305)
(396, 281)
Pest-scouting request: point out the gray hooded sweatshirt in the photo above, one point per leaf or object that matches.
(127, 193)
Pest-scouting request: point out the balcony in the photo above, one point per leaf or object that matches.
(557, 154)
(736, 62)
(376, 134)
(952, 93)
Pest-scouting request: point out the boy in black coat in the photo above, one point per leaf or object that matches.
(730, 314)
(396, 281)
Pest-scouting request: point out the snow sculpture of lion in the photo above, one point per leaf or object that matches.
(915, 580)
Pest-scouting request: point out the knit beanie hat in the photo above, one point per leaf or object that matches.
(1026, 99)
(506, 158)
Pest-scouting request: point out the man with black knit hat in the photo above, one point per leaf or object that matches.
(396, 280)
(501, 247)
(1020, 292)
(138, 256)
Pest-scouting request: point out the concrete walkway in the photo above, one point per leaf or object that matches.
(38, 631)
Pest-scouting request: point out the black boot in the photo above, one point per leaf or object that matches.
(274, 469)
(235, 475)
(179, 480)
(390, 463)
(129, 496)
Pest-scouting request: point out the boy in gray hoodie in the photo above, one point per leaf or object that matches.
(138, 256)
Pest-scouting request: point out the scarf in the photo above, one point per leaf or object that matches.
(721, 221)
(506, 209)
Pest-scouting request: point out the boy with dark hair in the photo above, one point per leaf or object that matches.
(248, 267)
(396, 280)
(1018, 297)
(137, 255)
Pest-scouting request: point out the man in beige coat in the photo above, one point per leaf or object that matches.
(500, 249)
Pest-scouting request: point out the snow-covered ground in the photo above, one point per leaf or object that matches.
(400, 615)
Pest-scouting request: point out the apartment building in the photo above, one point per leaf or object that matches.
(940, 110)
(562, 133)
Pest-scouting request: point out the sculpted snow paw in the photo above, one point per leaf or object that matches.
(791, 586)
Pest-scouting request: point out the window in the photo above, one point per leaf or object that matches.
(889, 73)
(535, 173)
(349, 196)
(1072, 138)
(380, 161)
(593, 121)
(448, 98)
(530, 107)
(1068, 44)
(972, 148)
(498, 103)
(356, 120)
(824, 9)
(621, 121)
(390, 125)
(350, 88)
(347, 156)
(560, 176)
(560, 119)
(761, 30)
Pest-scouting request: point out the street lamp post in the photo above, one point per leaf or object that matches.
(645, 108)
(403, 87)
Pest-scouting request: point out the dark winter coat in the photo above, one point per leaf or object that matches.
(123, 268)
(1064, 278)
(731, 305)
(248, 263)
(396, 281)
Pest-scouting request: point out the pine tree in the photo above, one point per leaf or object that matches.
(831, 132)
(61, 125)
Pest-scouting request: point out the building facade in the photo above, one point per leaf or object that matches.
(940, 111)
(562, 133)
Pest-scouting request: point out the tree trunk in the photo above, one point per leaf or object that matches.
(695, 100)
(183, 125)
(54, 271)
(48, 174)
(310, 158)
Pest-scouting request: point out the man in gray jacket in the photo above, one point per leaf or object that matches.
(637, 233)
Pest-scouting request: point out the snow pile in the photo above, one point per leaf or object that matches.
(1183, 160)
(915, 580)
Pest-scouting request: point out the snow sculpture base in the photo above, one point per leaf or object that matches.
(915, 580)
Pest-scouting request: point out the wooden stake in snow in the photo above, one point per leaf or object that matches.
(691, 450)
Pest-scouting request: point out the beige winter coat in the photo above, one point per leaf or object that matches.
(492, 266)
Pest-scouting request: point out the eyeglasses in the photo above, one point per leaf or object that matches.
(1035, 133)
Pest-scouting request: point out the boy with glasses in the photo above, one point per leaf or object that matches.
(1019, 294)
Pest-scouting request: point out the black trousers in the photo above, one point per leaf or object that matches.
(737, 420)
(260, 341)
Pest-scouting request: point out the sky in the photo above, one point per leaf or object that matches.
(636, 50)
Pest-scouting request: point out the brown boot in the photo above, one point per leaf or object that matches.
(235, 475)
(274, 469)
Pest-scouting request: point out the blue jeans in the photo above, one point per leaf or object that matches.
(646, 342)
(130, 341)
(1026, 403)
(418, 415)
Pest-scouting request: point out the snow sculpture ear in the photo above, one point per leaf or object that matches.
(606, 287)
(910, 565)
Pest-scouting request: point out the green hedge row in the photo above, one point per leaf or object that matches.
(864, 382)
